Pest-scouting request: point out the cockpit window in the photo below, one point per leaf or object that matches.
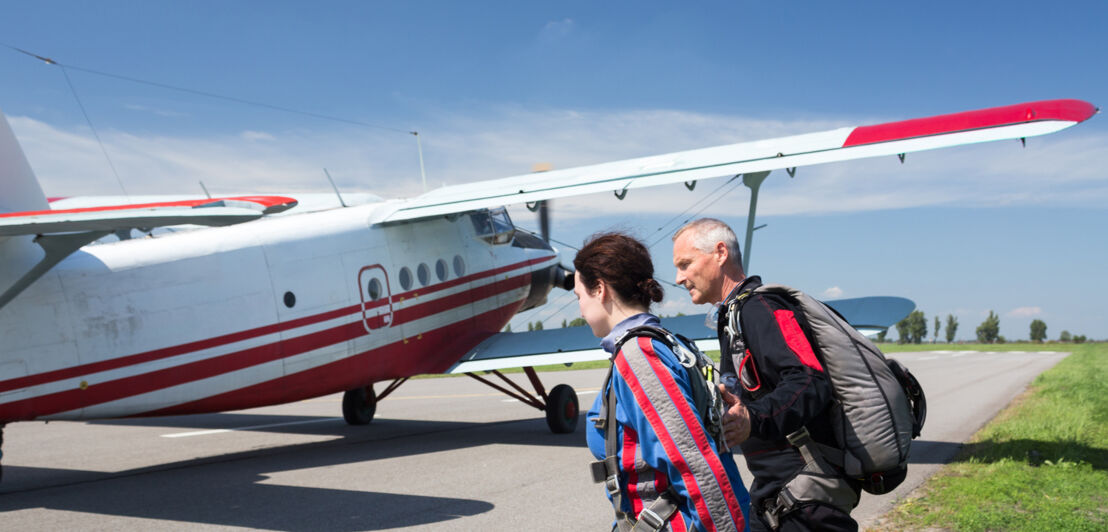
(493, 225)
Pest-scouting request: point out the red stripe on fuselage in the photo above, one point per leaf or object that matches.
(1065, 110)
(382, 363)
(148, 382)
(208, 343)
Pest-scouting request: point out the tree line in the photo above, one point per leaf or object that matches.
(913, 330)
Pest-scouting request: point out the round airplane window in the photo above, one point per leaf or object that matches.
(290, 299)
(440, 269)
(459, 266)
(424, 274)
(374, 289)
(405, 278)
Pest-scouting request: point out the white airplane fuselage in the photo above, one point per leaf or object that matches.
(266, 312)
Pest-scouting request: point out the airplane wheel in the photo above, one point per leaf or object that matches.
(562, 409)
(358, 406)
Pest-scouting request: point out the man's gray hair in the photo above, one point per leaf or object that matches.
(707, 231)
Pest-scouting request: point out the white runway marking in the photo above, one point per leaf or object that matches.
(254, 427)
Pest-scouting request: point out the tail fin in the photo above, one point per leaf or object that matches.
(19, 190)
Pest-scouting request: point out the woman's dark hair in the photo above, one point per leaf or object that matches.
(621, 261)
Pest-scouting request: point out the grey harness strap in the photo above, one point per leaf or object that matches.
(651, 519)
(817, 481)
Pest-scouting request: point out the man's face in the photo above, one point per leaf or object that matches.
(700, 273)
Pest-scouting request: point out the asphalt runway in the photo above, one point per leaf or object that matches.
(442, 454)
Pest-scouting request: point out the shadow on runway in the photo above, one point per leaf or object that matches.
(193, 497)
(1034, 452)
(231, 489)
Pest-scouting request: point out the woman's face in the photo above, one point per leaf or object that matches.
(592, 307)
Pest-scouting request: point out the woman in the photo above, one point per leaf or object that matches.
(659, 464)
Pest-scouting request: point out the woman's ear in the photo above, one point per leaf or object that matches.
(601, 291)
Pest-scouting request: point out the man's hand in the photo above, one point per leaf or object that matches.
(736, 420)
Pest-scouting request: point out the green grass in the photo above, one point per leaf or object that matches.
(1042, 464)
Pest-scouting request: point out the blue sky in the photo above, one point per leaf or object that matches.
(494, 87)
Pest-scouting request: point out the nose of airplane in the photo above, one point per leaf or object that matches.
(543, 281)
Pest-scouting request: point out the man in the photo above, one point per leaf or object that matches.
(767, 359)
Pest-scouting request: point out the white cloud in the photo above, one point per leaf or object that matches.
(254, 136)
(557, 29)
(834, 291)
(1024, 312)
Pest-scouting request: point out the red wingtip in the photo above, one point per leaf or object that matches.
(1076, 111)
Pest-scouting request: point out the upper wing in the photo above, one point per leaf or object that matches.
(997, 123)
(209, 211)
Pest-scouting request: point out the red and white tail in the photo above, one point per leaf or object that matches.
(19, 191)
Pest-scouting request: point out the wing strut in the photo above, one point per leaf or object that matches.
(57, 247)
(754, 181)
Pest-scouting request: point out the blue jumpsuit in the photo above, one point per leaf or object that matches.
(662, 441)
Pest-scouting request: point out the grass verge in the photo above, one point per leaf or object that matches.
(1042, 464)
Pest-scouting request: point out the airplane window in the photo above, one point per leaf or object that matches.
(424, 274)
(374, 289)
(405, 278)
(501, 223)
(482, 224)
(459, 266)
(290, 299)
(440, 269)
(494, 226)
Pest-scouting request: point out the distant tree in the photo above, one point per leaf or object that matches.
(881, 335)
(951, 328)
(938, 324)
(1079, 339)
(1038, 331)
(917, 326)
(578, 322)
(902, 331)
(508, 328)
(563, 324)
(989, 329)
(538, 325)
(1065, 337)
(530, 326)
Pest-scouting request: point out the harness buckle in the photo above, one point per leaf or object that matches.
(612, 485)
(652, 519)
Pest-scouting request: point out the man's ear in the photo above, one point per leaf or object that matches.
(722, 253)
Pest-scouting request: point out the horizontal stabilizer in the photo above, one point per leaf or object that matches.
(568, 345)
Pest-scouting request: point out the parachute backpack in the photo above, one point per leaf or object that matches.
(878, 405)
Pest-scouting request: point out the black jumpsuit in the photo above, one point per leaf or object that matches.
(783, 386)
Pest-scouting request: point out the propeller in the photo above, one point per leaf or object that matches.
(544, 220)
(563, 277)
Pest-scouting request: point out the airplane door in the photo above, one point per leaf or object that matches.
(376, 298)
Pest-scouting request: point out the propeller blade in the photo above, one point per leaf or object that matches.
(544, 220)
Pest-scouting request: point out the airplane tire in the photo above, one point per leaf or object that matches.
(562, 409)
(359, 405)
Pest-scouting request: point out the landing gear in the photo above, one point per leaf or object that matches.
(562, 409)
(359, 405)
(560, 405)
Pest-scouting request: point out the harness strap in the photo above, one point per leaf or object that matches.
(655, 517)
